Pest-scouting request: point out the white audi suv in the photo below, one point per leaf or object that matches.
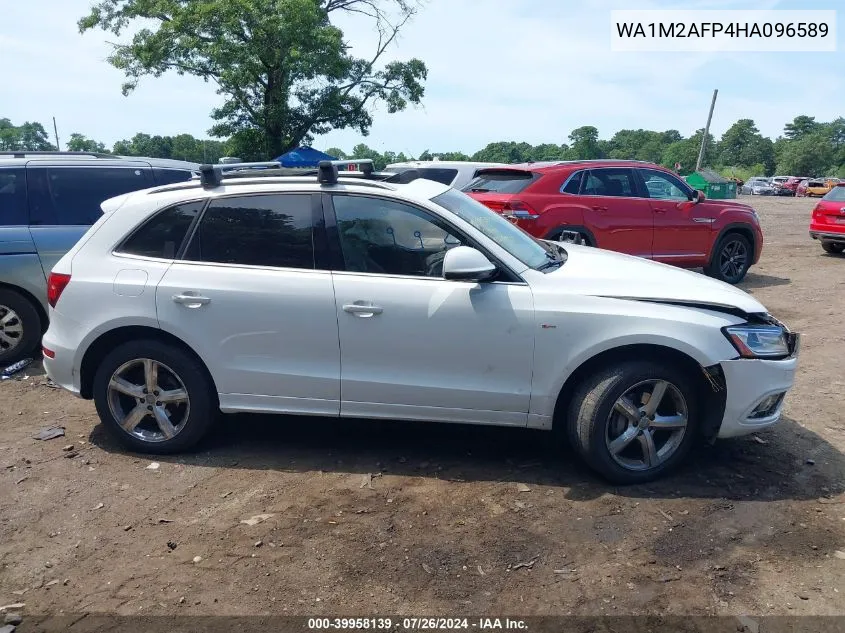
(349, 296)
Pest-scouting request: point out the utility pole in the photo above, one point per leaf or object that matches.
(706, 132)
(56, 132)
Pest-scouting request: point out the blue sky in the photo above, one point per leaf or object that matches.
(498, 70)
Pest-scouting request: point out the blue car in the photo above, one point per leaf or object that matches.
(47, 202)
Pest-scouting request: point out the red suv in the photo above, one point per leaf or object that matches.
(626, 206)
(828, 221)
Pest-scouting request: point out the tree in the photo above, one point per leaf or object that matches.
(81, 143)
(362, 151)
(281, 66)
(800, 127)
(27, 137)
(811, 155)
(686, 151)
(585, 143)
(742, 145)
(336, 152)
(508, 152)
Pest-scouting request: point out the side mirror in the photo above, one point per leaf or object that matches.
(699, 196)
(463, 263)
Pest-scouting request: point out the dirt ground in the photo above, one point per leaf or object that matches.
(385, 517)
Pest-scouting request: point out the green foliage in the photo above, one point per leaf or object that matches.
(281, 66)
(81, 143)
(743, 173)
(800, 127)
(585, 143)
(28, 136)
(742, 144)
(810, 155)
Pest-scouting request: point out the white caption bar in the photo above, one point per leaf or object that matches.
(723, 31)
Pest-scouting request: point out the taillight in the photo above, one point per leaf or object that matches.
(56, 285)
(520, 210)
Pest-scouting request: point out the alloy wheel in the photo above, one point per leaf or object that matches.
(646, 425)
(148, 400)
(733, 259)
(11, 329)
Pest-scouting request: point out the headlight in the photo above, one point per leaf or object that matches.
(758, 341)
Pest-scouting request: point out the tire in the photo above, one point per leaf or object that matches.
(177, 372)
(833, 247)
(594, 422)
(722, 267)
(557, 234)
(20, 327)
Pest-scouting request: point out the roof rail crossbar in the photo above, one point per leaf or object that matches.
(327, 174)
(212, 175)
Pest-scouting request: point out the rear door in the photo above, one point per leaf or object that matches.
(64, 200)
(247, 297)
(19, 263)
(617, 213)
(682, 231)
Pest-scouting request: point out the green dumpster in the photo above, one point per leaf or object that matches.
(712, 184)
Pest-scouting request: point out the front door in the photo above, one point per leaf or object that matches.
(620, 218)
(414, 345)
(247, 297)
(681, 228)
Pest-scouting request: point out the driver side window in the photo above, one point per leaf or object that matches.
(661, 186)
(390, 238)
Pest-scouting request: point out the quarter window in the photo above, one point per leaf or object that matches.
(573, 183)
(73, 195)
(13, 197)
(274, 230)
(610, 182)
(170, 176)
(163, 234)
(385, 237)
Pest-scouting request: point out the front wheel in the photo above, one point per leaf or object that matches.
(834, 248)
(153, 397)
(731, 259)
(20, 327)
(635, 421)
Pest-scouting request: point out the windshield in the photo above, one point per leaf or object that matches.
(501, 181)
(837, 194)
(510, 237)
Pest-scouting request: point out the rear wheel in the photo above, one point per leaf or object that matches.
(731, 259)
(635, 421)
(20, 327)
(153, 397)
(833, 247)
(570, 236)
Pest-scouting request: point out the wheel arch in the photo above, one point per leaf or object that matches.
(555, 232)
(711, 384)
(26, 294)
(107, 341)
(735, 227)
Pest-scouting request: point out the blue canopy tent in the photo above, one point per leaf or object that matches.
(303, 157)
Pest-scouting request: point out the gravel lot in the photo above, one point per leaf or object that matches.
(380, 517)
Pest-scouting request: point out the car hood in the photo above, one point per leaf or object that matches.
(602, 273)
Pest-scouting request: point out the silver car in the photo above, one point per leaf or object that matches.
(47, 201)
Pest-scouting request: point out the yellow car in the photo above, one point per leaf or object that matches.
(820, 187)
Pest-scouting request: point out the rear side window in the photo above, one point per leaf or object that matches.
(610, 182)
(837, 194)
(163, 234)
(503, 181)
(13, 197)
(272, 230)
(170, 176)
(445, 176)
(72, 195)
(573, 183)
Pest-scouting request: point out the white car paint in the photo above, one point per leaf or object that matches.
(389, 346)
(466, 170)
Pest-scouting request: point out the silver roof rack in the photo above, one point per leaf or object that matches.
(327, 171)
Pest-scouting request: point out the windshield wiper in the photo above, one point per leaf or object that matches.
(479, 190)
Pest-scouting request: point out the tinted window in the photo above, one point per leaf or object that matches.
(164, 233)
(503, 181)
(664, 186)
(13, 197)
(609, 182)
(573, 184)
(386, 237)
(837, 194)
(169, 176)
(72, 195)
(257, 231)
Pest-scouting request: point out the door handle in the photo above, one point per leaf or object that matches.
(191, 300)
(362, 310)
(599, 208)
